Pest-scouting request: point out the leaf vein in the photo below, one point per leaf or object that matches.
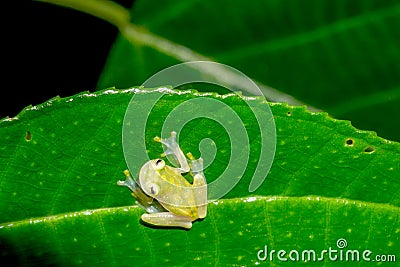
(305, 37)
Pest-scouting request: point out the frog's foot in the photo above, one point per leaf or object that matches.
(142, 200)
(167, 219)
(129, 182)
(196, 165)
(170, 143)
(173, 149)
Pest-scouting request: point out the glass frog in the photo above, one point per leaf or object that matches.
(177, 202)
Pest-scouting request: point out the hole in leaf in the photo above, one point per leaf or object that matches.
(289, 113)
(28, 136)
(369, 149)
(349, 142)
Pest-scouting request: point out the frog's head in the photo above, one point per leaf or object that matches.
(150, 177)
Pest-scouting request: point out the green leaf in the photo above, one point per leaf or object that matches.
(59, 163)
(339, 56)
(114, 236)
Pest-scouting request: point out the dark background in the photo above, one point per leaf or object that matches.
(66, 51)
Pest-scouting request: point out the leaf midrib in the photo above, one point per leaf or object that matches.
(366, 101)
(304, 37)
(137, 35)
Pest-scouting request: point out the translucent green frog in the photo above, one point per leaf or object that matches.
(178, 203)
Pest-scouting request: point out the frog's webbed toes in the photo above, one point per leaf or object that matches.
(135, 188)
(170, 143)
(173, 152)
(129, 182)
(196, 164)
(167, 141)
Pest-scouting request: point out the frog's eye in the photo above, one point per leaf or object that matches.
(159, 164)
(154, 189)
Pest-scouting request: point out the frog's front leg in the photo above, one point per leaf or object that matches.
(167, 219)
(142, 200)
(174, 150)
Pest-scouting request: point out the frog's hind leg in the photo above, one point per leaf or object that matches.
(172, 148)
(142, 200)
(199, 184)
(167, 219)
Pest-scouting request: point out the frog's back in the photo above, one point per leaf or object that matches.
(180, 194)
(173, 176)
